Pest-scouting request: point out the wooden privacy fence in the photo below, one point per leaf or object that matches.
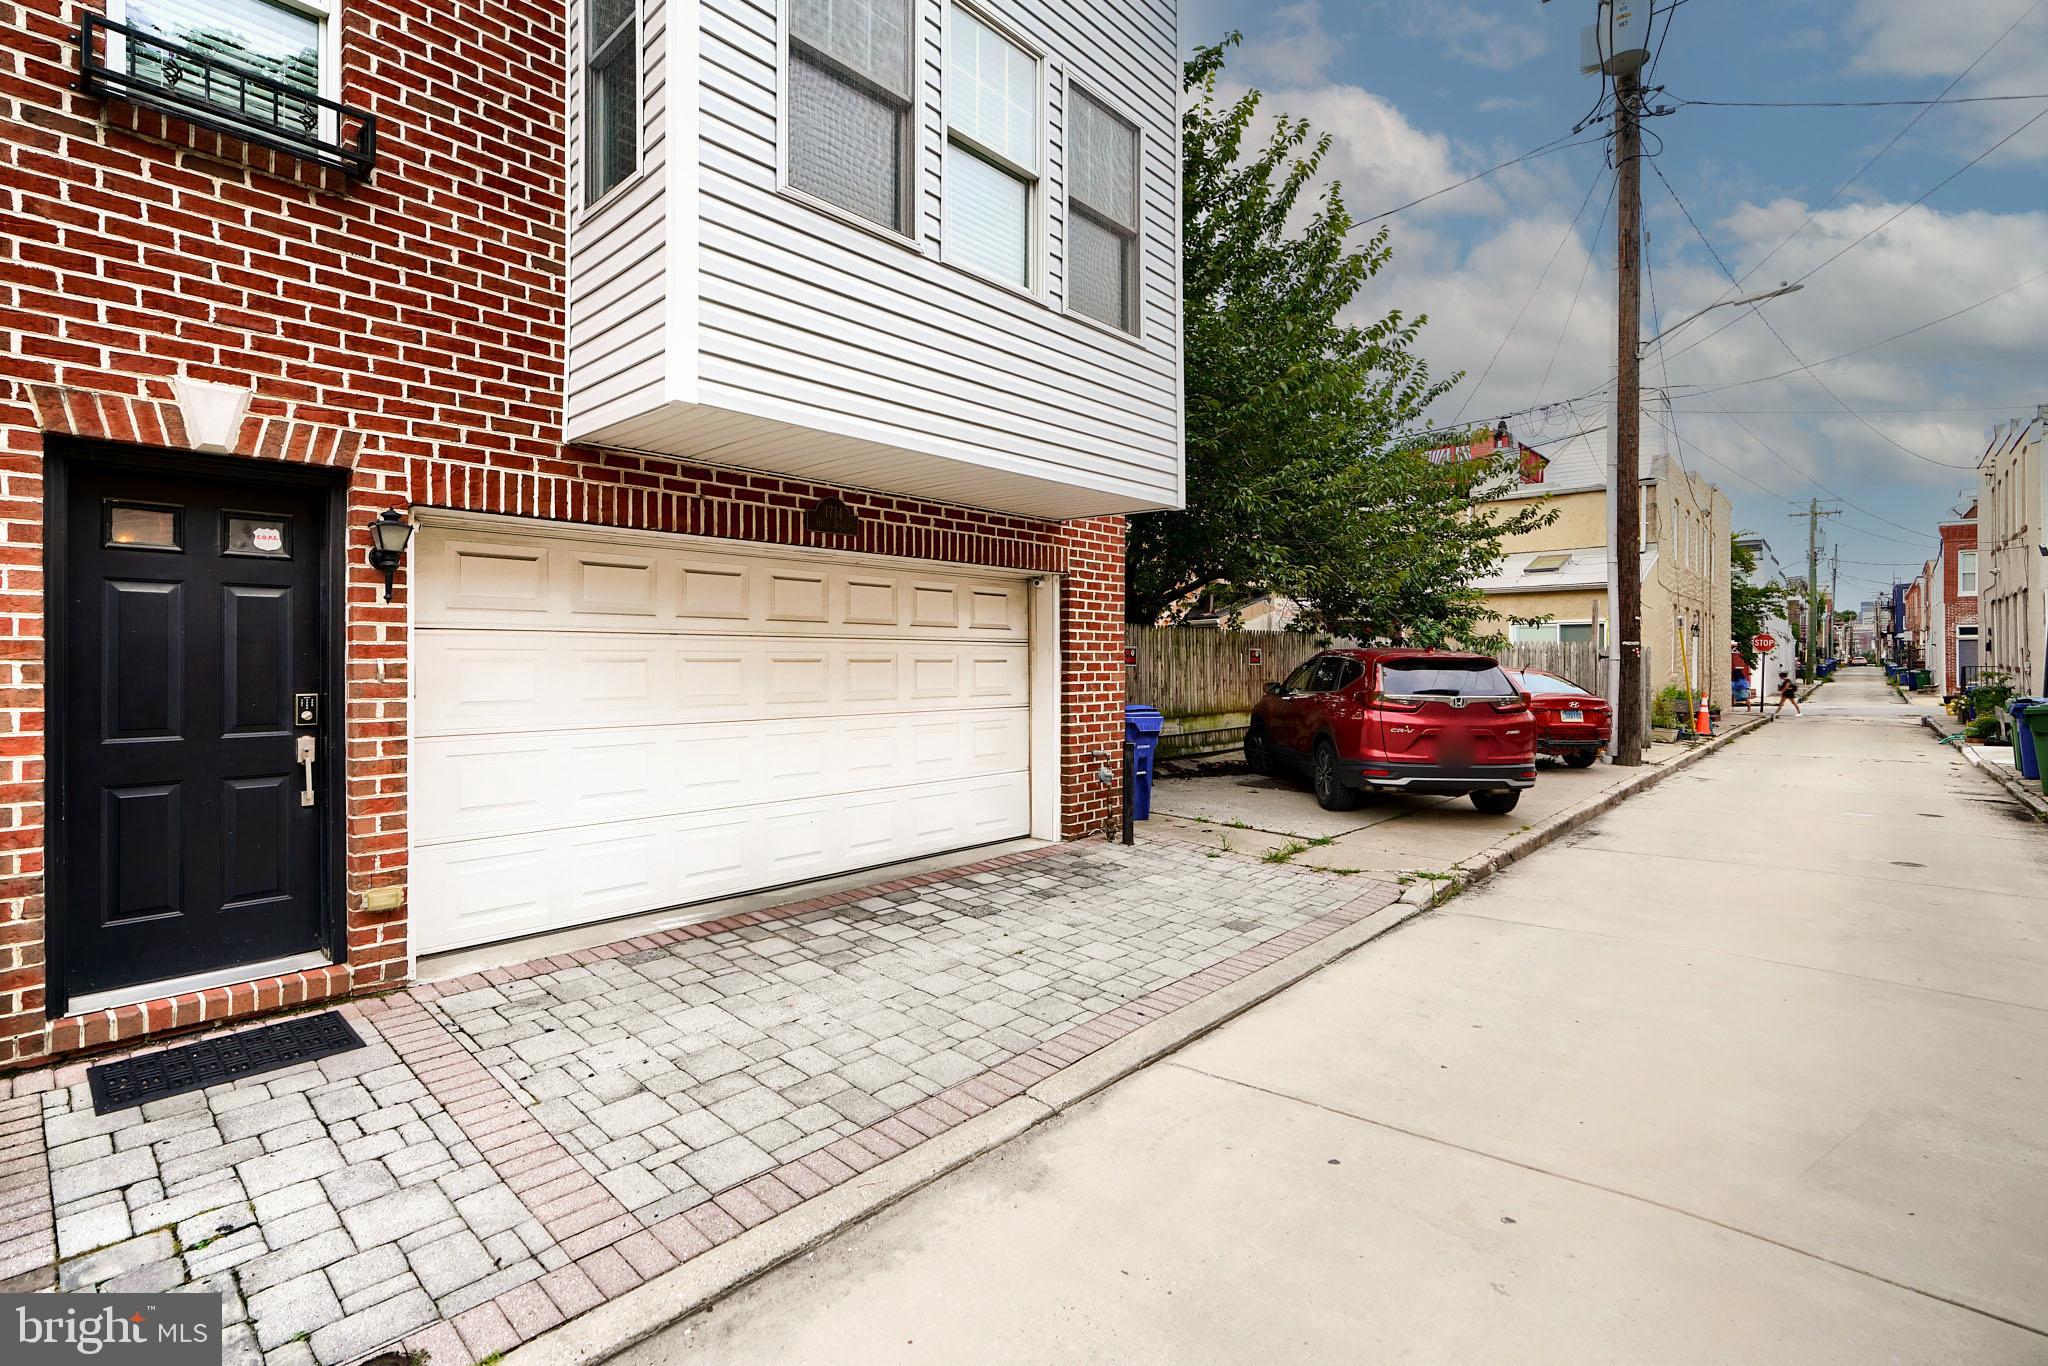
(1187, 672)
(1578, 660)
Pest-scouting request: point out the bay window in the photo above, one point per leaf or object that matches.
(992, 151)
(848, 107)
(1102, 225)
(611, 95)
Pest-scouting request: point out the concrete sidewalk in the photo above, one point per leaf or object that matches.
(1397, 836)
(1751, 1069)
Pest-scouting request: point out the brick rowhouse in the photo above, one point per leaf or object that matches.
(407, 328)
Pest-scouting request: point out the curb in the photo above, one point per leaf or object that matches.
(1579, 816)
(2030, 795)
(673, 1296)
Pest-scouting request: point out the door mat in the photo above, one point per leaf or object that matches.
(195, 1066)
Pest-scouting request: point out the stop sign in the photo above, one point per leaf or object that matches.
(1763, 644)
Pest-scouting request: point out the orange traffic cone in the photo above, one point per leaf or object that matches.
(1703, 724)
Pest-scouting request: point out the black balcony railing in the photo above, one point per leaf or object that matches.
(213, 92)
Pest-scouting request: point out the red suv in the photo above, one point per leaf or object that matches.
(1424, 721)
(1571, 723)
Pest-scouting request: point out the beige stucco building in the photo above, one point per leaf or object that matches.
(2012, 526)
(1560, 572)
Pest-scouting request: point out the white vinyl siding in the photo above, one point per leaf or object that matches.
(799, 339)
(611, 723)
(618, 281)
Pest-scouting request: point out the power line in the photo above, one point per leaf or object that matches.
(1867, 425)
(1879, 155)
(1882, 341)
(1571, 309)
(1811, 479)
(1874, 412)
(1554, 145)
(1848, 104)
(1570, 232)
(2043, 114)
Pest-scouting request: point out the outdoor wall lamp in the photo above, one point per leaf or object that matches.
(390, 531)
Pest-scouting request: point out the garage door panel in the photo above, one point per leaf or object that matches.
(518, 581)
(498, 682)
(471, 786)
(606, 726)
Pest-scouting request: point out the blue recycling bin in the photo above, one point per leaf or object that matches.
(2023, 751)
(1141, 727)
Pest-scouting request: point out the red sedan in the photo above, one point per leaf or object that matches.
(1571, 723)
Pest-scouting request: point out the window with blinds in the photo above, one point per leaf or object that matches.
(849, 106)
(611, 96)
(1102, 227)
(992, 151)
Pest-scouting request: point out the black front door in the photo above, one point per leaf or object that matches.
(194, 729)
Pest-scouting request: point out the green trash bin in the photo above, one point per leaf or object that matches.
(2037, 726)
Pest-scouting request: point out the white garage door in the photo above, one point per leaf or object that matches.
(605, 725)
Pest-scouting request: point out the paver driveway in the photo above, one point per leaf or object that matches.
(515, 1147)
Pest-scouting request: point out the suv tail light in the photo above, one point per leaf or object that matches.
(1519, 703)
(1380, 699)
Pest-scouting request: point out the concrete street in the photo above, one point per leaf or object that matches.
(1753, 1069)
(1387, 835)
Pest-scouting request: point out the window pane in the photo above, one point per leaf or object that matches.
(992, 91)
(845, 143)
(1445, 678)
(1103, 162)
(611, 96)
(988, 217)
(1098, 272)
(871, 38)
(281, 44)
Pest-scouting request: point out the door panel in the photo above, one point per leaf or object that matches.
(184, 844)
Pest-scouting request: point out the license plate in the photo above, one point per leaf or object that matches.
(1575, 716)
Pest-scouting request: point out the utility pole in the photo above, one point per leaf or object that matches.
(1616, 47)
(1835, 601)
(1809, 664)
(1628, 419)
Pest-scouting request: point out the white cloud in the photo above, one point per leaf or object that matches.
(1923, 41)
(1494, 40)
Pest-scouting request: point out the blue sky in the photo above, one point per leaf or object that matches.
(1421, 95)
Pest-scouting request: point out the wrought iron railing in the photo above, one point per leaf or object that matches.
(213, 92)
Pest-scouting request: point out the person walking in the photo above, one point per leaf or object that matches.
(1788, 691)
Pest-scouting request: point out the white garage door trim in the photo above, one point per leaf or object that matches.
(561, 672)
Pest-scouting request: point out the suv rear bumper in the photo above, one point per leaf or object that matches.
(1588, 746)
(1436, 780)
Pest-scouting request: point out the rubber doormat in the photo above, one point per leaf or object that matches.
(195, 1066)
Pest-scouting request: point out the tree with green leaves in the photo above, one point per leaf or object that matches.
(1299, 480)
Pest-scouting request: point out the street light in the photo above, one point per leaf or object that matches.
(1777, 293)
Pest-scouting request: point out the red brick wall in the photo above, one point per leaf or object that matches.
(1092, 675)
(1958, 608)
(408, 328)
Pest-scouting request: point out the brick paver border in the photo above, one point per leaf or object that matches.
(612, 1250)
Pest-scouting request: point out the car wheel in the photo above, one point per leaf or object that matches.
(1331, 793)
(1496, 803)
(1583, 759)
(1257, 756)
